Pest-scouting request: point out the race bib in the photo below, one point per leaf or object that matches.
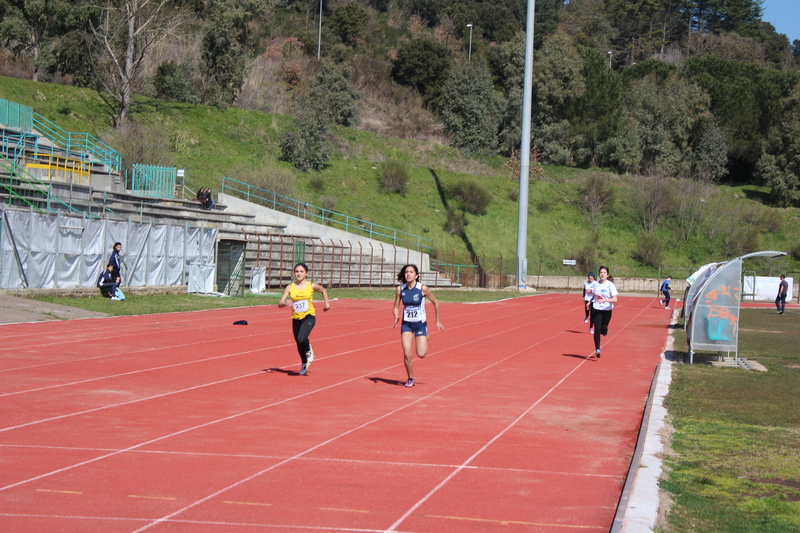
(411, 314)
(300, 306)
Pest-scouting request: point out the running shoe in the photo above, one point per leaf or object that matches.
(304, 369)
(410, 382)
(667, 307)
(586, 320)
(597, 353)
(661, 303)
(310, 354)
(591, 331)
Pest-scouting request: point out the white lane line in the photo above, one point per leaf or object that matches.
(353, 430)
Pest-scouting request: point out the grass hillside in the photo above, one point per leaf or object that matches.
(211, 143)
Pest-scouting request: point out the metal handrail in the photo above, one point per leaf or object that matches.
(79, 145)
(23, 175)
(326, 216)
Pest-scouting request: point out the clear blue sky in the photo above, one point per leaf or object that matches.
(784, 15)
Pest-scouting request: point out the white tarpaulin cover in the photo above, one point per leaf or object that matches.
(58, 251)
(258, 282)
(765, 287)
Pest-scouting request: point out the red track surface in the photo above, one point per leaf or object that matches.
(185, 422)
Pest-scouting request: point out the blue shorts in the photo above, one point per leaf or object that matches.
(419, 329)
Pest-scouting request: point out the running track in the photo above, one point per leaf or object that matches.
(186, 422)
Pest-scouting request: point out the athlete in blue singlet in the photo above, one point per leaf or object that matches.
(412, 294)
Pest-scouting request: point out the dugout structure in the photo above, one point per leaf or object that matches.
(712, 305)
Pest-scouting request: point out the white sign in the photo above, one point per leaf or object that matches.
(180, 172)
(571, 262)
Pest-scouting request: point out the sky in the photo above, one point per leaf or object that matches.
(784, 15)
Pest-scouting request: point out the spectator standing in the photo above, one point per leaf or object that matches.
(116, 260)
(780, 300)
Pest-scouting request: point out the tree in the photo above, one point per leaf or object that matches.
(225, 46)
(30, 26)
(308, 147)
(779, 166)
(423, 64)
(469, 108)
(336, 96)
(349, 22)
(746, 100)
(557, 81)
(126, 33)
(667, 127)
(508, 65)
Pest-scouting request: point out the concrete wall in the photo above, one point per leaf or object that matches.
(305, 228)
(575, 283)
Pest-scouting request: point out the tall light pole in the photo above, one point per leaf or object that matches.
(469, 56)
(610, 54)
(319, 34)
(525, 154)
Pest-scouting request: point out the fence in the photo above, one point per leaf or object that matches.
(150, 180)
(324, 216)
(332, 263)
(16, 116)
(41, 251)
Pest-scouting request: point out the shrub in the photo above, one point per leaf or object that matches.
(649, 250)
(317, 183)
(174, 82)
(474, 197)
(588, 256)
(771, 220)
(795, 251)
(328, 203)
(456, 221)
(394, 177)
(269, 176)
(308, 147)
(513, 195)
(596, 197)
(349, 22)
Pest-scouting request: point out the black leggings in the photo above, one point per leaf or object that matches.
(600, 320)
(302, 329)
(666, 298)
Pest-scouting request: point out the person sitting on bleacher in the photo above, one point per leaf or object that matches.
(209, 203)
(108, 283)
(201, 196)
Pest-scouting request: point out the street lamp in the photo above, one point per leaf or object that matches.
(610, 54)
(469, 57)
(319, 35)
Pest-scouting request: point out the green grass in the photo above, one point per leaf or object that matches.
(735, 465)
(173, 303)
(210, 143)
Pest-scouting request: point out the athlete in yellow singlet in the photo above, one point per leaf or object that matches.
(301, 293)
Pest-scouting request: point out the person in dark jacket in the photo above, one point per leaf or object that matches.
(209, 203)
(108, 282)
(116, 260)
(201, 196)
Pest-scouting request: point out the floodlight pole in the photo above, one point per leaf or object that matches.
(525, 154)
(319, 34)
(469, 56)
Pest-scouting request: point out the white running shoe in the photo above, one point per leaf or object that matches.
(591, 331)
(586, 320)
(310, 354)
(667, 307)
(304, 369)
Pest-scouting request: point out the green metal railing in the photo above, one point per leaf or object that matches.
(80, 145)
(325, 216)
(52, 204)
(15, 116)
(151, 180)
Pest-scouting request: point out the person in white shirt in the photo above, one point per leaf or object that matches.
(605, 296)
(588, 290)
